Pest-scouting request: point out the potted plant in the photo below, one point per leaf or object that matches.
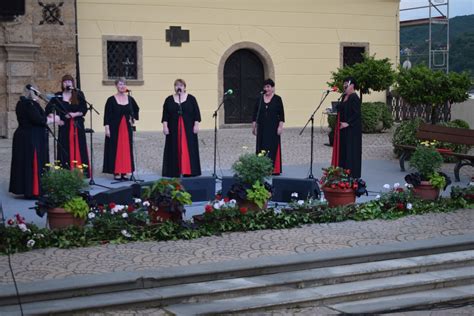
(251, 172)
(61, 198)
(339, 187)
(427, 181)
(167, 198)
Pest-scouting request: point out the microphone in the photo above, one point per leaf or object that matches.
(333, 89)
(262, 92)
(229, 92)
(31, 88)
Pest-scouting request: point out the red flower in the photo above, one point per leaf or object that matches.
(243, 210)
(112, 205)
(208, 208)
(19, 219)
(218, 197)
(348, 171)
(400, 206)
(333, 186)
(341, 185)
(226, 200)
(130, 208)
(355, 186)
(10, 222)
(348, 185)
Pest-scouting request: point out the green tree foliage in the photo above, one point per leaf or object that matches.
(370, 74)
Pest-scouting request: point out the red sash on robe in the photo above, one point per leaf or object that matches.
(123, 161)
(74, 151)
(277, 167)
(336, 144)
(184, 163)
(35, 191)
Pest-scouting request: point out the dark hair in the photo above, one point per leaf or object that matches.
(269, 82)
(352, 81)
(74, 97)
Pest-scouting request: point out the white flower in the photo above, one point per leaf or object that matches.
(300, 202)
(120, 207)
(294, 195)
(377, 197)
(216, 206)
(386, 186)
(30, 243)
(233, 201)
(22, 227)
(396, 185)
(138, 201)
(221, 203)
(409, 186)
(146, 203)
(124, 215)
(126, 233)
(91, 215)
(322, 199)
(409, 206)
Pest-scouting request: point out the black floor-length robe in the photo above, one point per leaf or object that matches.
(72, 146)
(350, 138)
(181, 155)
(269, 118)
(118, 149)
(29, 150)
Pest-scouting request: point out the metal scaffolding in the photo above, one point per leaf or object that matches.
(438, 37)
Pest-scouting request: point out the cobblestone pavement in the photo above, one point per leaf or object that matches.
(56, 263)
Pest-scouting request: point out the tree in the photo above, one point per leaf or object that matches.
(423, 86)
(370, 74)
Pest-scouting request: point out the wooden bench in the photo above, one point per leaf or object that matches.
(459, 136)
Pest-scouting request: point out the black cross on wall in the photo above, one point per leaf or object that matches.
(175, 36)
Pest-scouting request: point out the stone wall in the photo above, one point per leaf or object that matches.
(36, 49)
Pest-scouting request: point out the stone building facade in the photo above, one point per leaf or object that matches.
(36, 48)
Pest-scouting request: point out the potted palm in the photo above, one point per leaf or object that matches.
(427, 181)
(62, 198)
(251, 189)
(167, 198)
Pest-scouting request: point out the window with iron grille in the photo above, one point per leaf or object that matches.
(352, 55)
(122, 59)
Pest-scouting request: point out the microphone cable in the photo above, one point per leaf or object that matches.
(10, 264)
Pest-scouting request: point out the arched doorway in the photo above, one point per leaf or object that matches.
(244, 74)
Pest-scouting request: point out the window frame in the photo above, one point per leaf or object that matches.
(365, 45)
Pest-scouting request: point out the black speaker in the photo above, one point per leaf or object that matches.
(227, 182)
(200, 188)
(284, 187)
(11, 8)
(122, 195)
(137, 188)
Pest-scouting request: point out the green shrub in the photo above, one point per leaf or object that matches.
(426, 160)
(251, 168)
(405, 134)
(77, 207)
(463, 149)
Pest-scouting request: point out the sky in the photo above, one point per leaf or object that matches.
(456, 7)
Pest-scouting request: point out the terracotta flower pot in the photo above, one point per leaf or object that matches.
(251, 206)
(426, 191)
(338, 196)
(59, 218)
(163, 213)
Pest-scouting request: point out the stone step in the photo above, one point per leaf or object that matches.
(332, 294)
(204, 291)
(394, 303)
(129, 281)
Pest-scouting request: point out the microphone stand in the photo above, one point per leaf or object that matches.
(214, 115)
(90, 130)
(311, 119)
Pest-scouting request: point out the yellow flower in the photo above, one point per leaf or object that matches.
(84, 165)
(57, 167)
(48, 165)
(79, 167)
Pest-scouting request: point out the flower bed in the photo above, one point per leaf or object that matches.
(124, 223)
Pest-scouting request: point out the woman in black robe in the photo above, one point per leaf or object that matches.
(71, 107)
(347, 149)
(30, 147)
(181, 117)
(121, 111)
(267, 125)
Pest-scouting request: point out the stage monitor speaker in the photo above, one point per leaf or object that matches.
(11, 8)
(137, 188)
(227, 182)
(201, 188)
(284, 187)
(122, 195)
